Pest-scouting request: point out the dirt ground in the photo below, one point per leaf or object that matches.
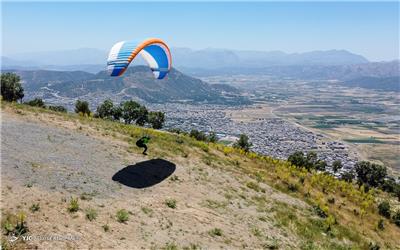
(47, 162)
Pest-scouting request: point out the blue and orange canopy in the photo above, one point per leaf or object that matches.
(154, 51)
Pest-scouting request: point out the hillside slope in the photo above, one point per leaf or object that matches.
(136, 82)
(224, 198)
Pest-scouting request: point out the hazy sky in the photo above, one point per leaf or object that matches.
(370, 29)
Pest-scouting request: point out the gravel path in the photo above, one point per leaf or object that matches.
(64, 160)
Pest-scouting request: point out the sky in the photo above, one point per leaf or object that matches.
(370, 29)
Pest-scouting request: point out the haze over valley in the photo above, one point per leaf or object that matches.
(333, 102)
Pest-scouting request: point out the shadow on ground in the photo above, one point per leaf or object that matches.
(145, 174)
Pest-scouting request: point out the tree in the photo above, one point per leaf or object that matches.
(347, 176)
(11, 88)
(212, 137)
(58, 108)
(336, 165)
(396, 218)
(117, 113)
(320, 165)
(198, 135)
(243, 143)
(297, 159)
(384, 209)
(142, 116)
(156, 119)
(105, 110)
(82, 107)
(37, 102)
(130, 111)
(370, 174)
(311, 160)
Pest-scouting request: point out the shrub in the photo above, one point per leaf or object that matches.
(212, 137)
(198, 135)
(91, 214)
(171, 246)
(373, 246)
(11, 88)
(336, 165)
(293, 187)
(177, 131)
(58, 108)
(329, 222)
(254, 186)
(297, 159)
(73, 205)
(122, 216)
(82, 107)
(174, 178)
(381, 224)
(321, 212)
(243, 143)
(396, 218)
(370, 174)
(35, 207)
(156, 119)
(106, 228)
(384, 209)
(347, 176)
(171, 203)
(15, 224)
(320, 165)
(331, 200)
(215, 232)
(105, 110)
(37, 102)
(147, 210)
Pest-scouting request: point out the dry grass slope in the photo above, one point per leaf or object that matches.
(217, 197)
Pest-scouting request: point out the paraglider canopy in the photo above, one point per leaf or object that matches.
(154, 51)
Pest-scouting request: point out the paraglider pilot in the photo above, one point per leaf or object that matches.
(141, 143)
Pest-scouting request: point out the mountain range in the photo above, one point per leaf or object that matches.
(349, 68)
(94, 59)
(137, 82)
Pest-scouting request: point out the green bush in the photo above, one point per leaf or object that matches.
(370, 174)
(82, 107)
(35, 207)
(132, 111)
(122, 216)
(396, 218)
(73, 205)
(215, 232)
(381, 224)
(37, 102)
(212, 137)
(347, 176)
(11, 88)
(198, 135)
(171, 203)
(336, 165)
(106, 228)
(105, 110)
(243, 143)
(384, 209)
(58, 108)
(156, 119)
(91, 214)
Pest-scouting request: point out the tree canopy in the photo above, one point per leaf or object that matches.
(11, 88)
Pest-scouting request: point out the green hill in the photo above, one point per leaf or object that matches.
(66, 174)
